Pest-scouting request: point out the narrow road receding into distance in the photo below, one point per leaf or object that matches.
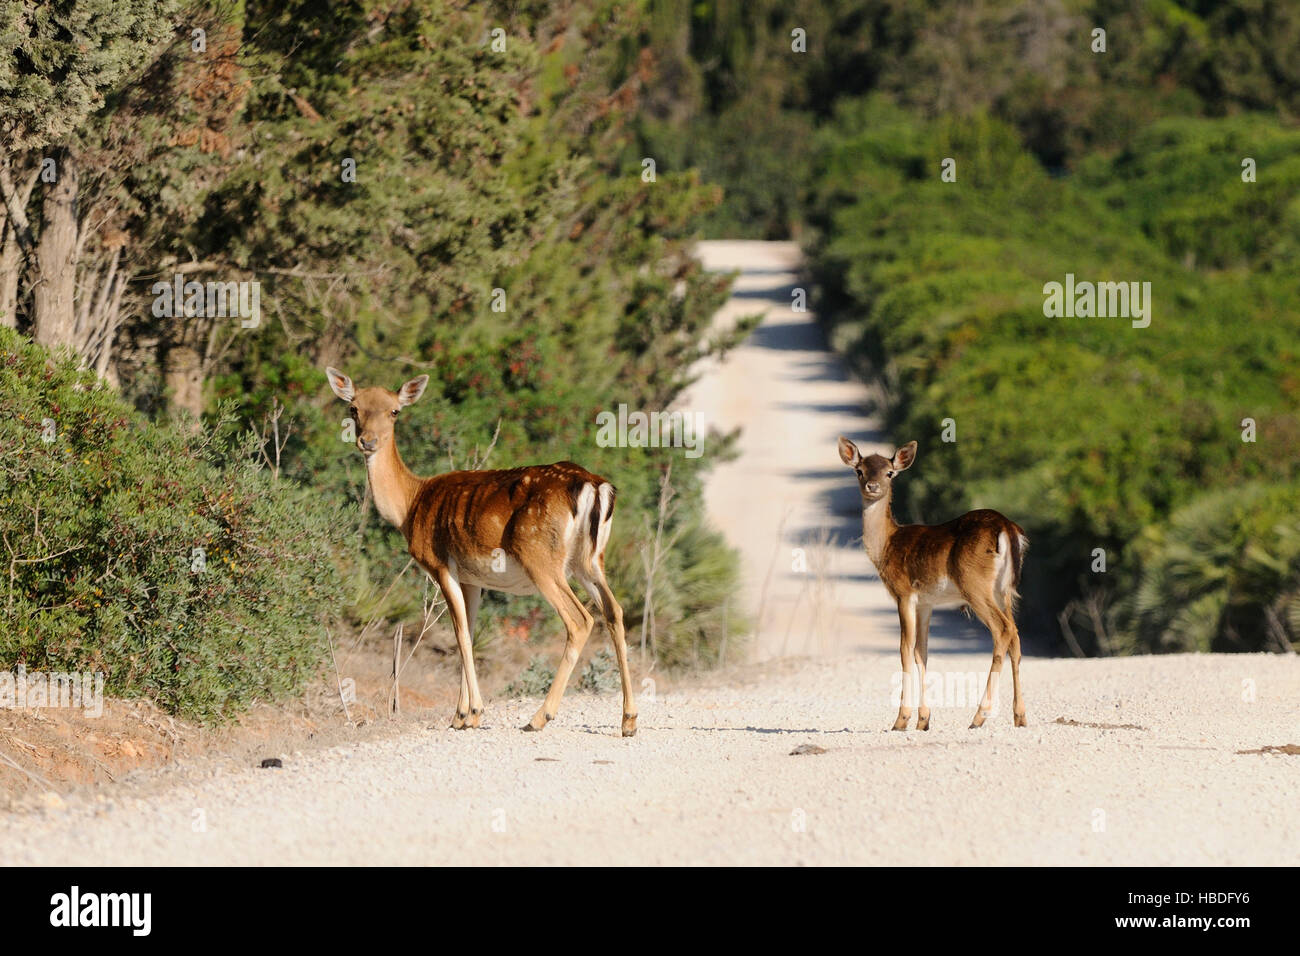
(1148, 760)
(787, 502)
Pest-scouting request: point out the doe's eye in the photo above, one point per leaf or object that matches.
(395, 411)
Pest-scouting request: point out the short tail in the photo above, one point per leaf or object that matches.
(606, 494)
(595, 513)
(1019, 545)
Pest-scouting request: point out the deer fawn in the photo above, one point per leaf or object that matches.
(971, 561)
(521, 531)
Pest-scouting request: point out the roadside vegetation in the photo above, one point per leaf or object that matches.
(159, 556)
(419, 187)
(463, 191)
(1155, 469)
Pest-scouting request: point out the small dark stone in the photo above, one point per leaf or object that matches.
(602, 761)
(803, 749)
(271, 762)
(547, 759)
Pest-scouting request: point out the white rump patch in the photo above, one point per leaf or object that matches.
(578, 538)
(606, 517)
(1004, 575)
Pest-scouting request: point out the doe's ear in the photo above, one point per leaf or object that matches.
(849, 453)
(410, 393)
(904, 457)
(341, 384)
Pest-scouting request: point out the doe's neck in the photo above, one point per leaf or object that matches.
(392, 484)
(878, 525)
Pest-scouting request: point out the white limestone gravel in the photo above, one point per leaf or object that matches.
(710, 780)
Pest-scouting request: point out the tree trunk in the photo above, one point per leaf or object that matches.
(183, 379)
(10, 263)
(54, 319)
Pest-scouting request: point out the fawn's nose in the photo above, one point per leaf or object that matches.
(873, 487)
(367, 444)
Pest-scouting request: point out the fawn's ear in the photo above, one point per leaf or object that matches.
(410, 393)
(904, 457)
(341, 384)
(849, 453)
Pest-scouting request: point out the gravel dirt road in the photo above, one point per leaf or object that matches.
(786, 502)
(1149, 760)
(709, 779)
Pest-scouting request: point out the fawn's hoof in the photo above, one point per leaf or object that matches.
(1020, 721)
(923, 723)
(629, 725)
(539, 721)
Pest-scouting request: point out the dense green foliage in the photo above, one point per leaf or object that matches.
(498, 234)
(158, 556)
(495, 235)
(1091, 432)
(738, 98)
(829, 121)
(59, 59)
(1222, 571)
(478, 171)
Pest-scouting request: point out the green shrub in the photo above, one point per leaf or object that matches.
(1222, 574)
(600, 676)
(534, 681)
(163, 558)
(1089, 432)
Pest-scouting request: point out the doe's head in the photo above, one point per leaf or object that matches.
(374, 409)
(876, 472)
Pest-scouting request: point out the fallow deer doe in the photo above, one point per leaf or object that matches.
(971, 561)
(521, 531)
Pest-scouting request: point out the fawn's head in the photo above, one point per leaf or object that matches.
(876, 472)
(374, 409)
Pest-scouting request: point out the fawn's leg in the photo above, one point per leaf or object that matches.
(462, 702)
(998, 624)
(455, 598)
(1018, 708)
(921, 656)
(473, 598)
(907, 651)
(599, 589)
(1006, 602)
(577, 623)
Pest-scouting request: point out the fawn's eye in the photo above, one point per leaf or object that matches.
(395, 411)
(889, 474)
(352, 410)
